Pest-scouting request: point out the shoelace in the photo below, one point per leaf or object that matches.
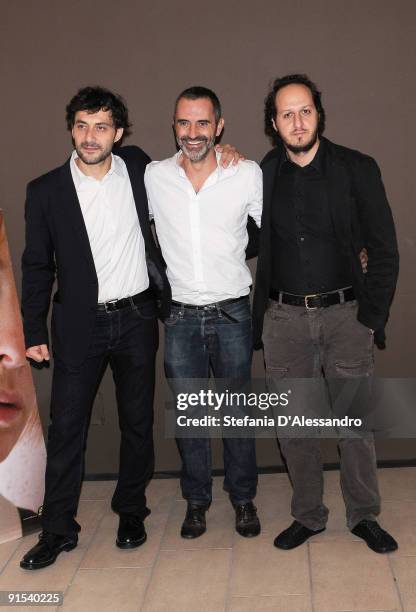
(246, 513)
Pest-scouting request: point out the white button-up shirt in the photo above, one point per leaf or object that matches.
(113, 228)
(203, 235)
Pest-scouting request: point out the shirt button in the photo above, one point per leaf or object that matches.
(302, 239)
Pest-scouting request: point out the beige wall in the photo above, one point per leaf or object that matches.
(360, 52)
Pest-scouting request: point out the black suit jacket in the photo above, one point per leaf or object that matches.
(57, 245)
(361, 217)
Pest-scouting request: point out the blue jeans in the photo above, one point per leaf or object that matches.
(217, 337)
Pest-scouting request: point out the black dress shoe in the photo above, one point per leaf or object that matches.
(247, 523)
(194, 524)
(294, 536)
(131, 532)
(375, 537)
(44, 553)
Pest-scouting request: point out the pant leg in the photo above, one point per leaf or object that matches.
(132, 360)
(187, 357)
(73, 392)
(230, 342)
(291, 350)
(349, 350)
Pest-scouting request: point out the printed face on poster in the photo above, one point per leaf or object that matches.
(22, 448)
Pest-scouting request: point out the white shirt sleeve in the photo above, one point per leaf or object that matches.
(256, 194)
(147, 182)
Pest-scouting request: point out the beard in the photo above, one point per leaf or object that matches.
(302, 148)
(195, 155)
(92, 158)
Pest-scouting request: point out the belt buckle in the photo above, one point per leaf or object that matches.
(110, 302)
(312, 295)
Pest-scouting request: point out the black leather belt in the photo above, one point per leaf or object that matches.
(134, 300)
(316, 300)
(210, 306)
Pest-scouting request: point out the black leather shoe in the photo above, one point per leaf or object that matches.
(294, 536)
(375, 537)
(131, 532)
(194, 524)
(247, 523)
(44, 553)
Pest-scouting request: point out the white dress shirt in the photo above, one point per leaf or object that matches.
(113, 228)
(203, 235)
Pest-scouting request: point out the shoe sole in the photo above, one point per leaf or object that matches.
(248, 535)
(192, 537)
(133, 544)
(34, 566)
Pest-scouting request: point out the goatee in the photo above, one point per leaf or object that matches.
(303, 148)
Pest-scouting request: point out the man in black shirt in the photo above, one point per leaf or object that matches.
(315, 310)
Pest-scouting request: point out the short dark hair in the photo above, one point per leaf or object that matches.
(270, 103)
(94, 99)
(196, 92)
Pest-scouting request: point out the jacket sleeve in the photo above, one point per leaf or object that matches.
(38, 270)
(379, 236)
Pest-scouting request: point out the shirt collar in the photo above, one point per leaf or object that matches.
(117, 167)
(220, 171)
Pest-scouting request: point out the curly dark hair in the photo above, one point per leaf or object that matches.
(270, 105)
(196, 92)
(93, 99)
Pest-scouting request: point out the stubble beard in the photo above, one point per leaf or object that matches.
(197, 155)
(102, 155)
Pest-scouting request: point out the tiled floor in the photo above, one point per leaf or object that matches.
(334, 571)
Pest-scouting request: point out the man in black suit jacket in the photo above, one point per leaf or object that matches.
(87, 225)
(314, 309)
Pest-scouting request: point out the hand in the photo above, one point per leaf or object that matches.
(363, 260)
(229, 154)
(38, 353)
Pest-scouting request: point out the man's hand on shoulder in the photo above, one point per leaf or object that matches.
(38, 353)
(229, 155)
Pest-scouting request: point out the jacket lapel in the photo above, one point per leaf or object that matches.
(70, 212)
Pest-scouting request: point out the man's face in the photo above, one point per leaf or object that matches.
(296, 118)
(17, 396)
(196, 128)
(94, 135)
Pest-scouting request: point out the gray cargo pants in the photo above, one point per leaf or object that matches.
(329, 342)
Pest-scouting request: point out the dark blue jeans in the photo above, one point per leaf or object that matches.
(127, 340)
(217, 337)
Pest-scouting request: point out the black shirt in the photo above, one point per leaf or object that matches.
(306, 257)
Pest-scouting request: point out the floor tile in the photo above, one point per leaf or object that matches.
(98, 489)
(283, 603)
(259, 568)
(189, 580)
(404, 569)
(220, 527)
(120, 590)
(103, 552)
(349, 576)
(6, 551)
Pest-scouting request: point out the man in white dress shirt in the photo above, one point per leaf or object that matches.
(87, 224)
(201, 211)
